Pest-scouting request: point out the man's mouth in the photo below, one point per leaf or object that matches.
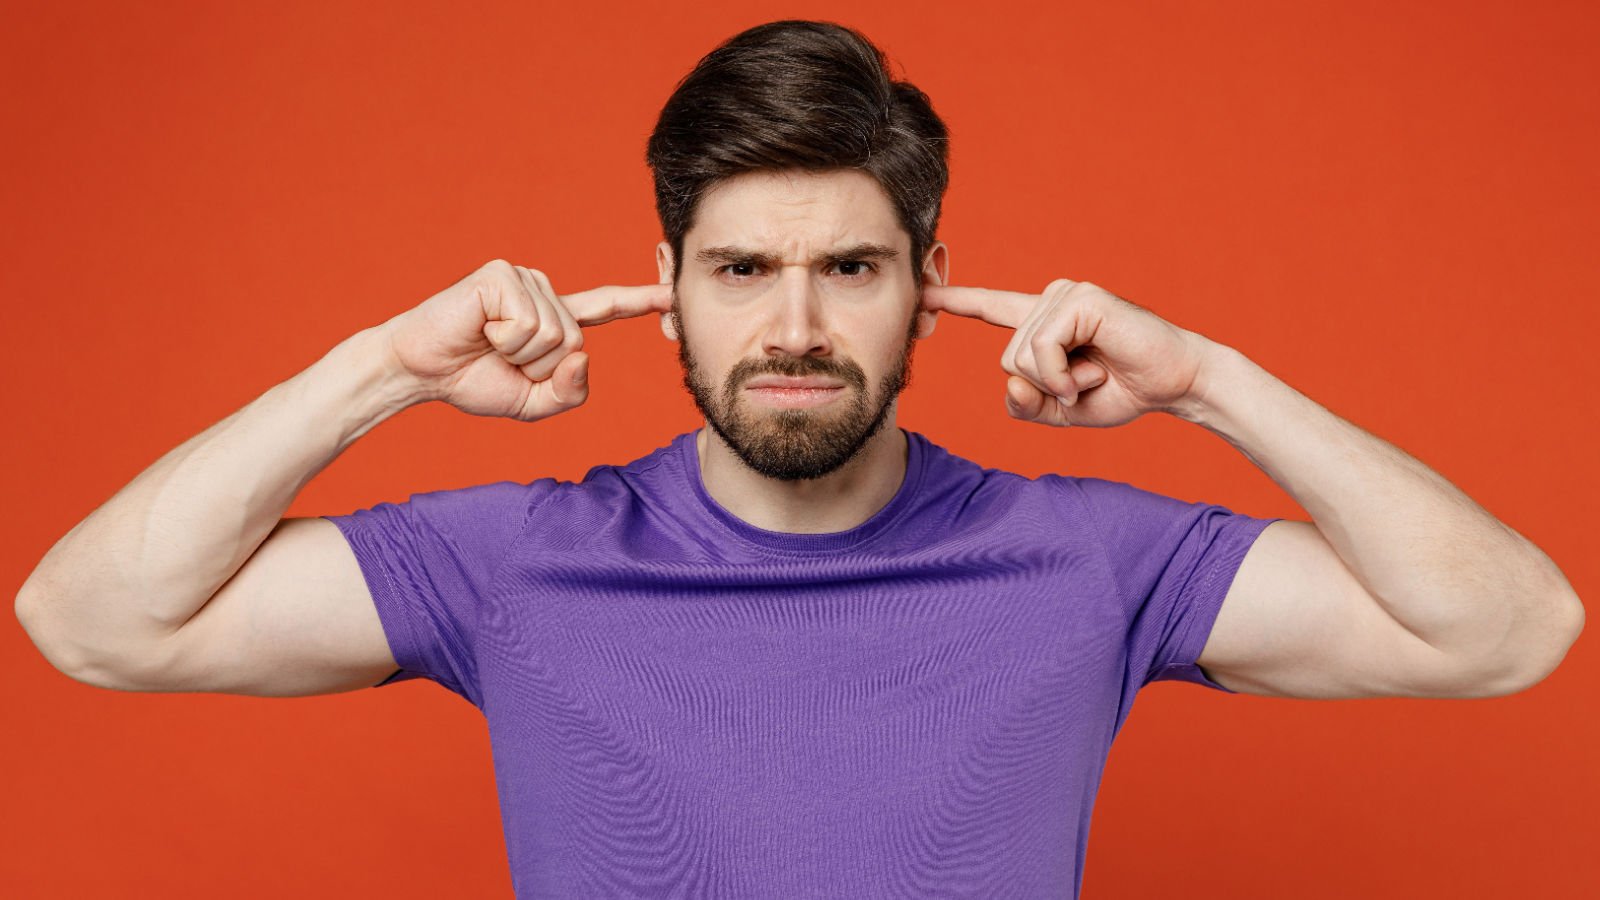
(791, 393)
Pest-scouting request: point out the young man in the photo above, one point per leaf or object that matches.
(801, 651)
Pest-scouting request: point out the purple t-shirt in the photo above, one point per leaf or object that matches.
(681, 704)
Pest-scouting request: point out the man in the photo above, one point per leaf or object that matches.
(801, 651)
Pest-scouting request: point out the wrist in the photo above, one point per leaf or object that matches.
(1220, 366)
(369, 354)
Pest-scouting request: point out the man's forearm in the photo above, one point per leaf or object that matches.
(147, 559)
(1444, 567)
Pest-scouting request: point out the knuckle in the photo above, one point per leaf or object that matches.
(486, 283)
(572, 339)
(550, 333)
(483, 277)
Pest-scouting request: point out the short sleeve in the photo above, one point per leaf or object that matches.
(429, 563)
(1173, 562)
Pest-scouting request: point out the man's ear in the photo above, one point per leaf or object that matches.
(935, 270)
(664, 268)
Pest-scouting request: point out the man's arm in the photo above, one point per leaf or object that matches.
(105, 602)
(1403, 585)
(189, 579)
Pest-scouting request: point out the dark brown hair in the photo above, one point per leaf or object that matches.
(798, 94)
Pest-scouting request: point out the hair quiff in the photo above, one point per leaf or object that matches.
(799, 94)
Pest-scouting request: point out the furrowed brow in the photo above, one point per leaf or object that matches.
(864, 250)
(730, 254)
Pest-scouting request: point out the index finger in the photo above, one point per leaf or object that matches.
(1005, 308)
(602, 304)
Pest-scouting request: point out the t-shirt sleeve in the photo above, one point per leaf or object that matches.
(1173, 562)
(429, 563)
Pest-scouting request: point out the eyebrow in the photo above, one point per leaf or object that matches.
(731, 254)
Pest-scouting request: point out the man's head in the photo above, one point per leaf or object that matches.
(799, 189)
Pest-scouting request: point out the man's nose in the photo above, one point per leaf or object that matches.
(795, 326)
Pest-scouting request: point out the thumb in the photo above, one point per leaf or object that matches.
(1023, 400)
(569, 383)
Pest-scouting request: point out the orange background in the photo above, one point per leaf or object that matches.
(1392, 207)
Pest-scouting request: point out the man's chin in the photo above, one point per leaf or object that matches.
(788, 418)
(782, 428)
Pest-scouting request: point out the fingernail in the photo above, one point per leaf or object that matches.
(582, 374)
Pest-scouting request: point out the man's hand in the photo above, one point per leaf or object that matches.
(1082, 355)
(501, 342)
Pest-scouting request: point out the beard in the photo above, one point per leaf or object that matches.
(794, 444)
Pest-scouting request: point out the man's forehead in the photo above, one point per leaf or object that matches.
(794, 240)
(795, 216)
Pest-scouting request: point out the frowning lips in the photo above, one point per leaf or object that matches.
(785, 382)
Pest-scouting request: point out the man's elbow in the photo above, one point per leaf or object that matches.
(1538, 658)
(64, 655)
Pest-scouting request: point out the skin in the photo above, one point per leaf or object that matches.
(1402, 586)
(850, 320)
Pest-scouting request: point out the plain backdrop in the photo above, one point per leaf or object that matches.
(1390, 206)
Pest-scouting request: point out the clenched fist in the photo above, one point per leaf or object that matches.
(501, 342)
(1081, 355)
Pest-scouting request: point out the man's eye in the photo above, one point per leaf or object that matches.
(739, 266)
(851, 269)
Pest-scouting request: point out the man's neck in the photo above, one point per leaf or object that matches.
(838, 501)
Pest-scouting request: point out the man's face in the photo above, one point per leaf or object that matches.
(796, 316)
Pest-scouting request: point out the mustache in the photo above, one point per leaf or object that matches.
(797, 367)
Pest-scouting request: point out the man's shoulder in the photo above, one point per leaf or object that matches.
(956, 487)
(947, 466)
(599, 480)
(665, 454)
(959, 488)
(660, 472)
